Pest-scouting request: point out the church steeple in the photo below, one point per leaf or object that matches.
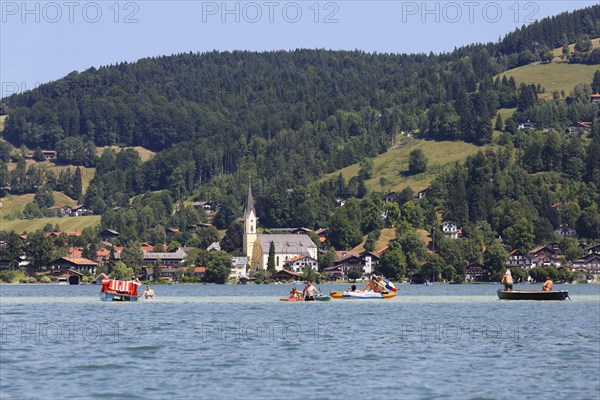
(249, 203)
(250, 225)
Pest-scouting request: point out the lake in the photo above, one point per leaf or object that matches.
(235, 341)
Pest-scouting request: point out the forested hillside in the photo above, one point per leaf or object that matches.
(283, 117)
(289, 122)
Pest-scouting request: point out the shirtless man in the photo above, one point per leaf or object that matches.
(547, 285)
(507, 280)
(373, 286)
(309, 291)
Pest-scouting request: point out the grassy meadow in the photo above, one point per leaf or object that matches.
(66, 224)
(392, 164)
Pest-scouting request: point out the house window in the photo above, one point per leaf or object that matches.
(277, 260)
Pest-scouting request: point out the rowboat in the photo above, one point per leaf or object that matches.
(114, 290)
(533, 295)
(362, 295)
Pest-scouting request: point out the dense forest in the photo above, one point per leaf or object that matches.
(281, 120)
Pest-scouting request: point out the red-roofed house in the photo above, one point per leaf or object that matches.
(286, 275)
(298, 263)
(72, 266)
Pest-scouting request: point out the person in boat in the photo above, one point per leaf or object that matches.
(295, 293)
(548, 285)
(135, 280)
(373, 286)
(309, 291)
(507, 280)
(351, 288)
(148, 293)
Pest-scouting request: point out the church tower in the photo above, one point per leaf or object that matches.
(250, 225)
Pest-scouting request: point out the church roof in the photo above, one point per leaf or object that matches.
(287, 244)
(249, 203)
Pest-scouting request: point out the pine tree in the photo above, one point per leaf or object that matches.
(271, 261)
(499, 124)
(77, 184)
(596, 82)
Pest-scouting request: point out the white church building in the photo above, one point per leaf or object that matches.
(256, 245)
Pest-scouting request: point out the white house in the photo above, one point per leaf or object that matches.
(239, 266)
(566, 231)
(450, 229)
(299, 263)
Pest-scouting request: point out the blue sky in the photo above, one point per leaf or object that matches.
(42, 41)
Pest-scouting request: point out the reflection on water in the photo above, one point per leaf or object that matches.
(208, 341)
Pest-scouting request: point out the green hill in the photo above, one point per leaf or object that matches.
(66, 224)
(12, 204)
(392, 164)
(553, 76)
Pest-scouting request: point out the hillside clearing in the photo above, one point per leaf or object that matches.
(144, 153)
(12, 204)
(87, 174)
(557, 52)
(554, 76)
(387, 234)
(66, 224)
(2, 118)
(390, 165)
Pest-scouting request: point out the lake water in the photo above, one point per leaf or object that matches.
(231, 342)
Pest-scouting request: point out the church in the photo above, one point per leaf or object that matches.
(256, 245)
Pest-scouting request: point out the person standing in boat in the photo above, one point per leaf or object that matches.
(507, 280)
(548, 285)
(309, 291)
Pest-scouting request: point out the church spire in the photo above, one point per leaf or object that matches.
(250, 202)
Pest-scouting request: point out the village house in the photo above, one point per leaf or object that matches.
(60, 211)
(239, 267)
(595, 248)
(526, 126)
(450, 229)
(214, 246)
(517, 258)
(49, 155)
(476, 272)
(199, 272)
(78, 211)
(365, 263)
(167, 259)
(299, 263)
(544, 256)
(205, 205)
(588, 266)
(72, 268)
(595, 98)
(287, 276)
(566, 231)
(107, 234)
(421, 194)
